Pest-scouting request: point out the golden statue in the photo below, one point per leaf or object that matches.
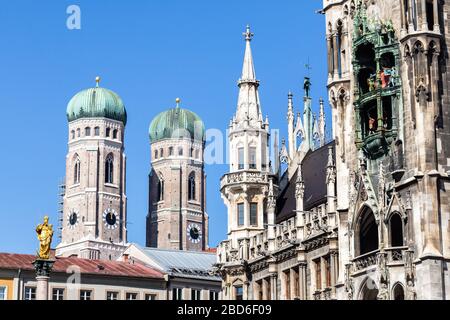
(44, 234)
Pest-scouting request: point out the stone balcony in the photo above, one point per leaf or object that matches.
(245, 176)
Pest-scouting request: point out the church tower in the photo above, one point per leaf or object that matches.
(245, 187)
(177, 217)
(94, 214)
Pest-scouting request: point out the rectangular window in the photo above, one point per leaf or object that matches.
(240, 209)
(195, 294)
(85, 295)
(239, 292)
(177, 294)
(252, 158)
(58, 294)
(241, 159)
(318, 270)
(253, 213)
(150, 296)
(30, 293)
(3, 293)
(112, 295)
(213, 295)
(131, 296)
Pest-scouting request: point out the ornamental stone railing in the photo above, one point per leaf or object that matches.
(396, 254)
(244, 177)
(366, 260)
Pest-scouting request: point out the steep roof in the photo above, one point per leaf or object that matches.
(314, 169)
(15, 261)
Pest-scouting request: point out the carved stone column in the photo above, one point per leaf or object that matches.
(302, 281)
(43, 269)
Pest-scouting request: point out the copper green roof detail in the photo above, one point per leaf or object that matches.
(96, 103)
(177, 123)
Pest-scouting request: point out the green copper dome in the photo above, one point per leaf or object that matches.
(96, 103)
(177, 123)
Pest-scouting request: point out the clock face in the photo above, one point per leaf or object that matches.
(72, 219)
(194, 233)
(110, 219)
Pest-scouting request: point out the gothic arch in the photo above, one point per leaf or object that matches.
(398, 291)
(366, 238)
(368, 290)
(109, 168)
(76, 168)
(160, 187)
(396, 228)
(192, 187)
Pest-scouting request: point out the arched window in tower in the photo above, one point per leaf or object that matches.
(109, 169)
(108, 132)
(156, 154)
(161, 152)
(396, 230)
(160, 191)
(72, 134)
(87, 131)
(115, 134)
(78, 132)
(180, 151)
(170, 151)
(367, 232)
(191, 187)
(76, 170)
(96, 131)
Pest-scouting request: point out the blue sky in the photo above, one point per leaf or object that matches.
(149, 52)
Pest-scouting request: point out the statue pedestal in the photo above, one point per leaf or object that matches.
(43, 269)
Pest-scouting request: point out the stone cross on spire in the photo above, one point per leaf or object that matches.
(247, 34)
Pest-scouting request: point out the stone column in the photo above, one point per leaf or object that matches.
(411, 16)
(334, 271)
(330, 56)
(43, 269)
(424, 24)
(436, 16)
(335, 55)
(273, 287)
(265, 289)
(292, 283)
(302, 281)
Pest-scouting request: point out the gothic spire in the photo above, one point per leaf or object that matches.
(248, 109)
(321, 123)
(291, 132)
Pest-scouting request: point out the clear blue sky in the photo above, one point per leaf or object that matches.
(149, 52)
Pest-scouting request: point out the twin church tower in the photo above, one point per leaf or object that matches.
(94, 219)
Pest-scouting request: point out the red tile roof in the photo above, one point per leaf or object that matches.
(93, 267)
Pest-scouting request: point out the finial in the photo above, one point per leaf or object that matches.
(178, 100)
(97, 81)
(248, 34)
(290, 95)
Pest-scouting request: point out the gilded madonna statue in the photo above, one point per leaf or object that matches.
(44, 234)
